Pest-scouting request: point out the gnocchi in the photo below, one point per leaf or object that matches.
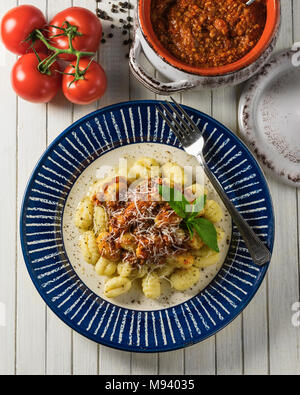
(84, 214)
(116, 286)
(213, 211)
(151, 286)
(100, 220)
(124, 254)
(209, 260)
(89, 247)
(105, 267)
(125, 269)
(174, 173)
(184, 279)
(144, 168)
(182, 261)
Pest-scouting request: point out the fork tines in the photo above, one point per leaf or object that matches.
(178, 120)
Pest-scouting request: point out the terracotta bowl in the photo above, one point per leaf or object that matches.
(184, 76)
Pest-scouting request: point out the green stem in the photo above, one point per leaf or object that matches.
(77, 71)
(70, 38)
(69, 51)
(45, 65)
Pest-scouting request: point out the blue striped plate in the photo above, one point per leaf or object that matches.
(57, 282)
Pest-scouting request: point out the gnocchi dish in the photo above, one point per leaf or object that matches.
(131, 233)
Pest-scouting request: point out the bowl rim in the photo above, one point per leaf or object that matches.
(271, 27)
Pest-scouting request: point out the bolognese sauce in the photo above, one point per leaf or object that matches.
(208, 33)
(141, 230)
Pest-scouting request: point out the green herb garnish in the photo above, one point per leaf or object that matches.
(189, 211)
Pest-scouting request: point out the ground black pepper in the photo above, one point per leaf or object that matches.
(116, 8)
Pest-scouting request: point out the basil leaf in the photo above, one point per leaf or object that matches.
(206, 231)
(175, 198)
(177, 201)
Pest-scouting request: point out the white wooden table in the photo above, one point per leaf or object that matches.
(33, 341)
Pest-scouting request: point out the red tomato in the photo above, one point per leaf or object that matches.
(17, 25)
(32, 85)
(87, 90)
(87, 24)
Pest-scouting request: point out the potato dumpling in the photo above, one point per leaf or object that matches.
(139, 272)
(213, 211)
(145, 167)
(174, 173)
(220, 233)
(196, 243)
(165, 270)
(116, 286)
(105, 267)
(100, 220)
(206, 261)
(147, 162)
(151, 286)
(184, 279)
(182, 261)
(84, 214)
(124, 269)
(89, 247)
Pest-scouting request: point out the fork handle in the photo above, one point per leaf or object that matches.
(258, 251)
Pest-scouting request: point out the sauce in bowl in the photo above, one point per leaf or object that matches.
(208, 33)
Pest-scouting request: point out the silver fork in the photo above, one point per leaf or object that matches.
(193, 142)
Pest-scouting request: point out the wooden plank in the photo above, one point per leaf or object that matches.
(296, 18)
(8, 225)
(255, 334)
(31, 310)
(85, 352)
(113, 59)
(141, 363)
(284, 285)
(298, 229)
(255, 326)
(229, 341)
(284, 274)
(144, 364)
(200, 359)
(114, 362)
(59, 336)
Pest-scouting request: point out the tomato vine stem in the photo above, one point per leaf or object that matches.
(71, 32)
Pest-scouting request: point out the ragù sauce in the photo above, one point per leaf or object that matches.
(151, 227)
(208, 33)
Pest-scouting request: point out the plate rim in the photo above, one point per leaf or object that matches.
(247, 96)
(72, 325)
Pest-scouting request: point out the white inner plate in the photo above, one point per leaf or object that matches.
(134, 299)
(269, 117)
